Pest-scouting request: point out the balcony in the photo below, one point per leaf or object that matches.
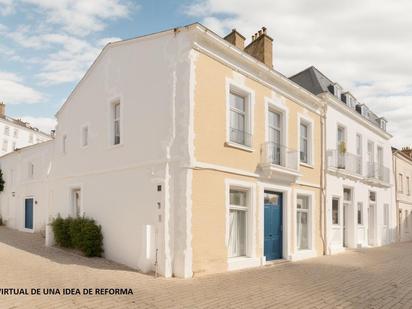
(378, 174)
(279, 161)
(346, 163)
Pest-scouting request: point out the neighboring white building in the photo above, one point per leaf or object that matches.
(359, 183)
(15, 133)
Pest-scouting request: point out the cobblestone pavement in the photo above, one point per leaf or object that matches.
(367, 278)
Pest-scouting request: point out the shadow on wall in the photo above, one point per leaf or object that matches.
(34, 243)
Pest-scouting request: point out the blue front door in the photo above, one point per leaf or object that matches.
(273, 226)
(28, 213)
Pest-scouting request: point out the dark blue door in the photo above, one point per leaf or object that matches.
(273, 226)
(28, 213)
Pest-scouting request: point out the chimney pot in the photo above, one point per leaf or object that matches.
(261, 47)
(260, 32)
(264, 30)
(236, 39)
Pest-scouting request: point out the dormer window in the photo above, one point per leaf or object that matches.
(337, 91)
(365, 111)
(382, 123)
(350, 100)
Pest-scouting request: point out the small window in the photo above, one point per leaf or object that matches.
(7, 130)
(16, 133)
(85, 136)
(400, 183)
(304, 143)
(76, 196)
(335, 211)
(239, 120)
(31, 138)
(31, 170)
(302, 215)
(237, 223)
(5, 145)
(360, 213)
(64, 144)
(347, 194)
(372, 196)
(116, 123)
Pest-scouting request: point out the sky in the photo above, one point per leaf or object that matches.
(47, 45)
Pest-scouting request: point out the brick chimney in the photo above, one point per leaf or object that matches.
(261, 47)
(236, 39)
(2, 109)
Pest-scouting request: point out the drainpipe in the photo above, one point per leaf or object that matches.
(323, 211)
(395, 172)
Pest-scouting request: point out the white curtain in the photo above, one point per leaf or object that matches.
(302, 230)
(237, 233)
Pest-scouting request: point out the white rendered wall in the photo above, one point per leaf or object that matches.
(358, 234)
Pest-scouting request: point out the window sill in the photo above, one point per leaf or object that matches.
(240, 262)
(239, 146)
(306, 165)
(112, 146)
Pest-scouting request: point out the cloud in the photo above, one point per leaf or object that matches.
(13, 91)
(44, 124)
(81, 17)
(6, 7)
(363, 45)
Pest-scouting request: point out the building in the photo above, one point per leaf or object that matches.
(402, 166)
(360, 202)
(192, 153)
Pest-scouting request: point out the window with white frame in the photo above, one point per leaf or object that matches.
(16, 133)
(7, 130)
(408, 185)
(302, 216)
(239, 119)
(385, 214)
(335, 211)
(116, 124)
(400, 183)
(64, 144)
(238, 212)
(85, 136)
(360, 213)
(337, 91)
(305, 142)
(275, 136)
(5, 145)
(406, 221)
(359, 156)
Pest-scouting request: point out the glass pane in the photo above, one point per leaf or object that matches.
(274, 136)
(303, 130)
(302, 202)
(335, 211)
(117, 111)
(270, 198)
(360, 215)
(347, 194)
(302, 230)
(237, 233)
(372, 196)
(237, 102)
(237, 198)
(303, 150)
(274, 119)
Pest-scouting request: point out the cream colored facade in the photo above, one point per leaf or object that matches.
(402, 164)
(223, 165)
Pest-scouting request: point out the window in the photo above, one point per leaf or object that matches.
(337, 91)
(16, 133)
(372, 196)
(360, 213)
(304, 143)
(85, 136)
(5, 145)
(237, 222)
(275, 136)
(341, 146)
(408, 185)
(239, 120)
(386, 214)
(400, 183)
(31, 137)
(359, 158)
(7, 130)
(407, 221)
(302, 225)
(335, 211)
(64, 144)
(347, 194)
(116, 123)
(76, 196)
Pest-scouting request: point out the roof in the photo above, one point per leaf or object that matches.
(316, 82)
(22, 124)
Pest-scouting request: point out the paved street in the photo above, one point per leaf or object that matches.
(372, 278)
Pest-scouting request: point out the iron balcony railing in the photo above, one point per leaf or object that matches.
(277, 154)
(378, 171)
(240, 137)
(345, 161)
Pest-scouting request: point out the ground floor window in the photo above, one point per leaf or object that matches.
(238, 211)
(76, 200)
(335, 211)
(386, 214)
(302, 216)
(360, 213)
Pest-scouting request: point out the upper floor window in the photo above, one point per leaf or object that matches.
(350, 100)
(359, 159)
(239, 120)
(408, 185)
(7, 130)
(305, 142)
(337, 90)
(31, 170)
(85, 136)
(400, 183)
(16, 133)
(382, 123)
(116, 123)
